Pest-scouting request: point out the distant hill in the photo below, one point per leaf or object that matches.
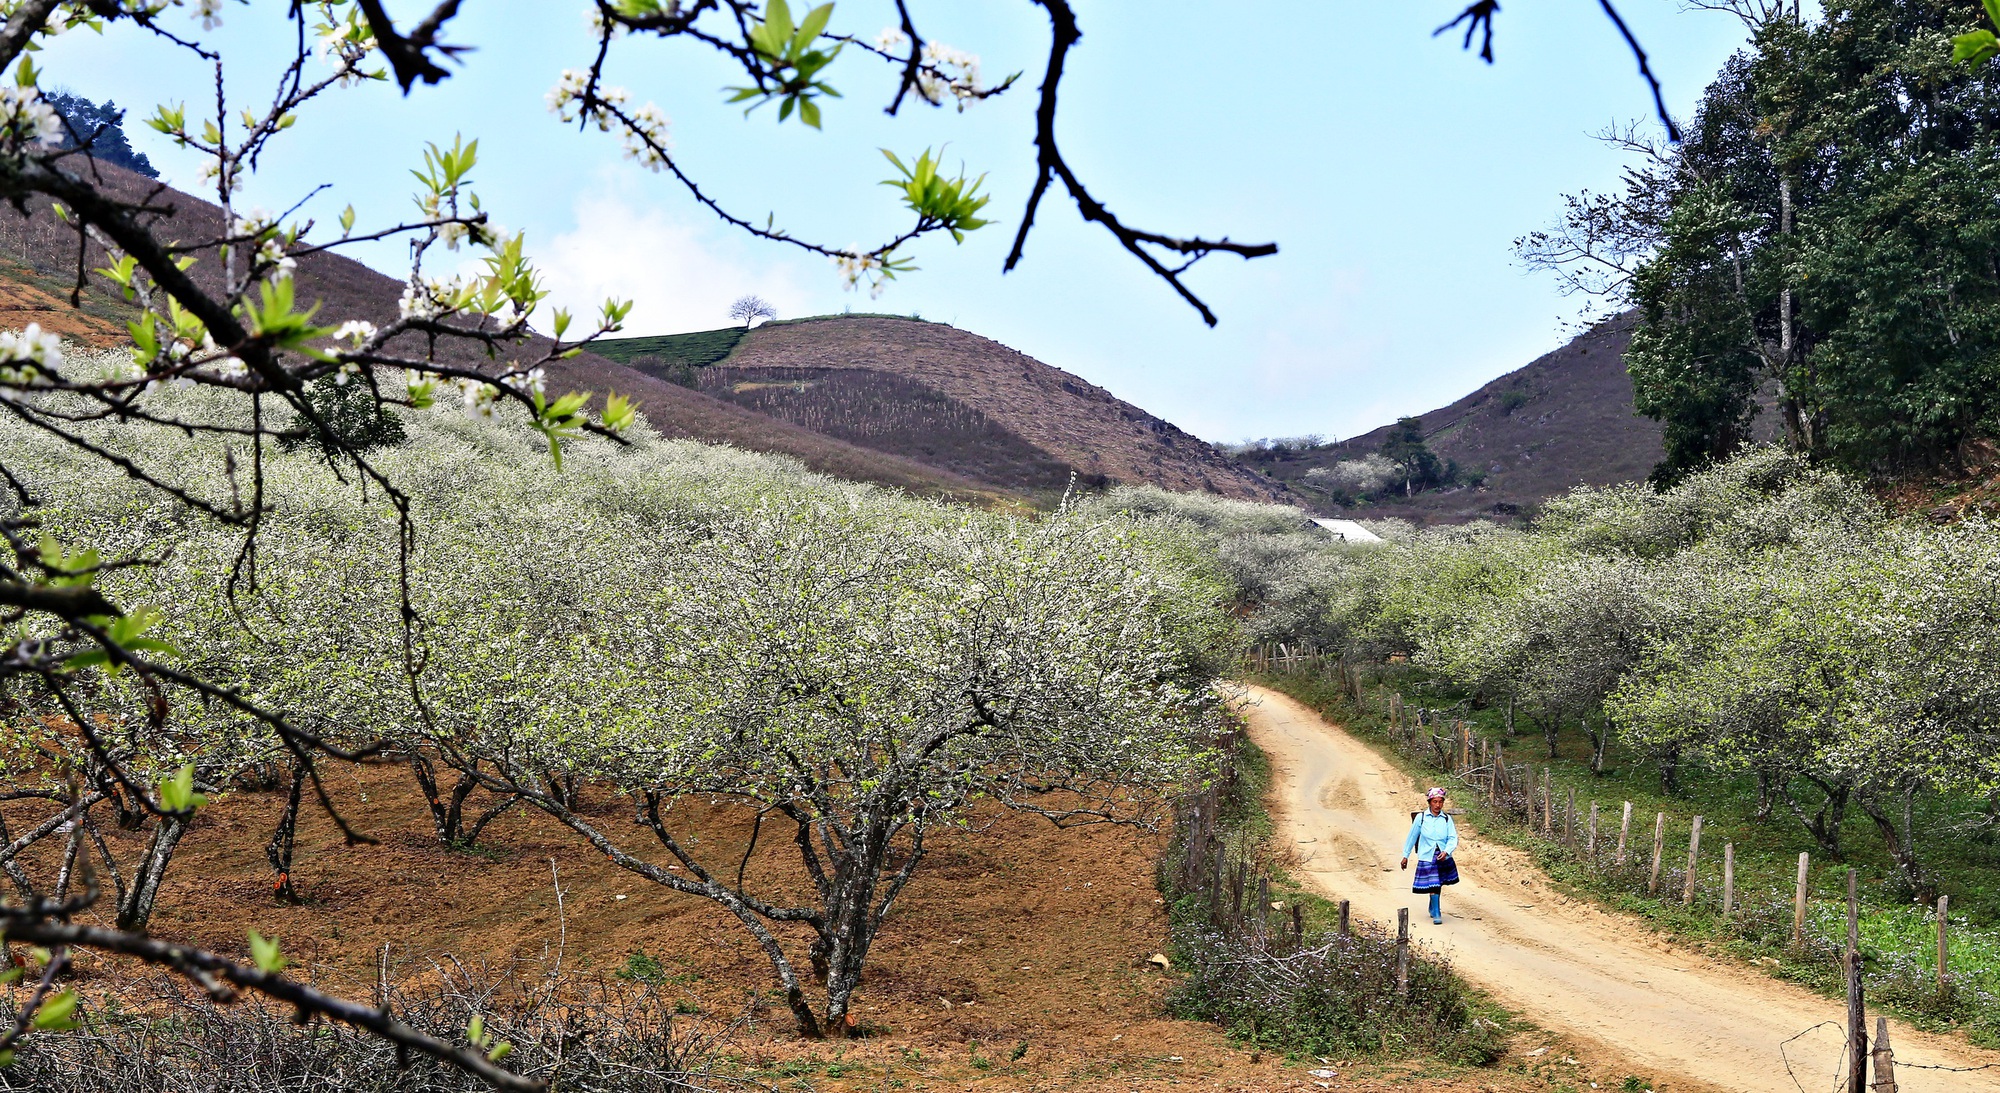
(899, 402)
(1564, 420)
(38, 259)
(945, 398)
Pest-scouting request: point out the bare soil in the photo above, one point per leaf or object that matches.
(1018, 934)
(1615, 988)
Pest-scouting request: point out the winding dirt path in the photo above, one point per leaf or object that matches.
(1562, 963)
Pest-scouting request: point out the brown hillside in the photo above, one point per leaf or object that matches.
(1564, 420)
(37, 253)
(955, 400)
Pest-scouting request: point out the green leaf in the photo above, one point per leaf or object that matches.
(618, 412)
(57, 1014)
(264, 953)
(1975, 48)
(1993, 11)
(809, 112)
(816, 20)
(177, 794)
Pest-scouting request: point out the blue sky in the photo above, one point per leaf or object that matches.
(1392, 169)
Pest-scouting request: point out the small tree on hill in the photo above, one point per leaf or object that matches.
(1420, 467)
(749, 309)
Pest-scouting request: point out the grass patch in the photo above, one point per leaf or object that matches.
(698, 349)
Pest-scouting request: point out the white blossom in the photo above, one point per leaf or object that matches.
(27, 120)
(357, 330)
(856, 267)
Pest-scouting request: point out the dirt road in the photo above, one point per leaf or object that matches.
(1567, 966)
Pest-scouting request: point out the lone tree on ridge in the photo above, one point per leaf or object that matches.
(749, 309)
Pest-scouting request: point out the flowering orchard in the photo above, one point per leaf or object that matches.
(129, 708)
(692, 628)
(1764, 619)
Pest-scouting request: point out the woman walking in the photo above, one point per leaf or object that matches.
(1434, 839)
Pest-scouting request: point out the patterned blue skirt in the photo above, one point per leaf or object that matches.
(1432, 875)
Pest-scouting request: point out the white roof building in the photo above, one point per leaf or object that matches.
(1347, 530)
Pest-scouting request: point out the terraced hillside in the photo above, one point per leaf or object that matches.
(949, 399)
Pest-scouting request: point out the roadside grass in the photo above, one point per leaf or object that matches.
(1898, 938)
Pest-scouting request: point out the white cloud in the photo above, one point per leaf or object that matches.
(680, 276)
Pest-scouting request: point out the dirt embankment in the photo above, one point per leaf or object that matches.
(1613, 985)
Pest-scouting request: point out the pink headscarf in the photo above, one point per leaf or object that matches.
(1435, 793)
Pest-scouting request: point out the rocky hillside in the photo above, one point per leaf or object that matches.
(946, 398)
(1564, 420)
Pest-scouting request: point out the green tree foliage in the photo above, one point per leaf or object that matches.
(102, 127)
(1419, 467)
(1826, 231)
(354, 414)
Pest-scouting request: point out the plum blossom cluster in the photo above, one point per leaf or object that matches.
(857, 268)
(24, 355)
(260, 227)
(945, 74)
(642, 132)
(345, 40)
(27, 120)
(430, 297)
(209, 12)
(948, 74)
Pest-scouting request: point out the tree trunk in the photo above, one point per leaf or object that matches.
(1670, 771)
(279, 851)
(1600, 739)
(1824, 826)
(137, 909)
(1899, 835)
(1551, 727)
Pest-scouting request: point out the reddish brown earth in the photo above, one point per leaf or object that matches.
(1019, 934)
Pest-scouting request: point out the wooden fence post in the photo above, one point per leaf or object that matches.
(1694, 851)
(1728, 878)
(1857, 1013)
(1343, 918)
(1944, 907)
(1569, 819)
(1403, 952)
(1799, 905)
(1885, 1059)
(1590, 842)
(1298, 923)
(1548, 804)
(1659, 848)
(1464, 745)
(1624, 829)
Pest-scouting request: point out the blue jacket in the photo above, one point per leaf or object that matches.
(1430, 834)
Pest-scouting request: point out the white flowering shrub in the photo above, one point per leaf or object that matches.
(679, 622)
